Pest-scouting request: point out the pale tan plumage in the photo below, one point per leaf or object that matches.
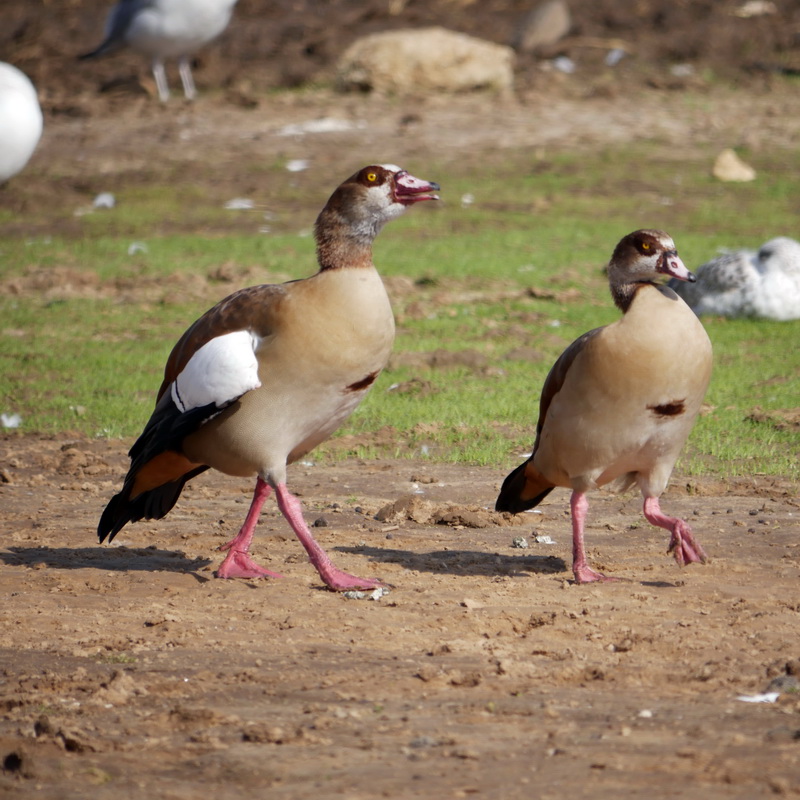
(337, 328)
(272, 371)
(621, 400)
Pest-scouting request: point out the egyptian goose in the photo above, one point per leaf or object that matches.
(621, 400)
(270, 372)
(20, 121)
(763, 284)
(161, 29)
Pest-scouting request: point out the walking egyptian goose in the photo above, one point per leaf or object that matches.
(270, 372)
(20, 120)
(161, 29)
(620, 401)
(763, 284)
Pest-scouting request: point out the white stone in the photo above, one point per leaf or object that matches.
(425, 60)
(730, 168)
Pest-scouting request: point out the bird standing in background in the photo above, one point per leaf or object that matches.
(161, 29)
(270, 372)
(745, 283)
(620, 401)
(20, 120)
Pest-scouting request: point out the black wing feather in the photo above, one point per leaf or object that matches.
(165, 431)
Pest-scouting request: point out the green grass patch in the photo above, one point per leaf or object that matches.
(90, 312)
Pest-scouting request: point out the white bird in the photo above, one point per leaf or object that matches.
(763, 284)
(620, 401)
(20, 120)
(161, 29)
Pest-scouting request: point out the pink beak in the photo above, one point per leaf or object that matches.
(408, 189)
(670, 264)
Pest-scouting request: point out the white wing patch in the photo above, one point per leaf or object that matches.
(219, 372)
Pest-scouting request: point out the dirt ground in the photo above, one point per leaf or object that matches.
(129, 671)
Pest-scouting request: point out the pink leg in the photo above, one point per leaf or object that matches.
(333, 578)
(238, 564)
(583, 573)
(682, 542)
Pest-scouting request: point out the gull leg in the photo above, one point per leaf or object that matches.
(185, 69)
(161, 81)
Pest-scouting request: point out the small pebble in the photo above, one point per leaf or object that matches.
(564, 64)
(375, 594)
(239, 204)
(520, 542)
(613, 57)
(104, 200)
(423, 741)
(681, 70)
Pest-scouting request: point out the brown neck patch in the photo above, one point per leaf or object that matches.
(339, 243)
(340, 252)
(624, 294)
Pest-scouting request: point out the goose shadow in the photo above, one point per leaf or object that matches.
(472, 562)
(118, 558)
(461, 562)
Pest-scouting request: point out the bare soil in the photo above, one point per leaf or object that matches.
(130, 671)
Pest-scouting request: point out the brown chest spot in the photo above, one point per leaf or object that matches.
(364, 383)
(668, 409)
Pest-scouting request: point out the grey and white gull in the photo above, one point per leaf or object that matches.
(162, 29)
(762, 284)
